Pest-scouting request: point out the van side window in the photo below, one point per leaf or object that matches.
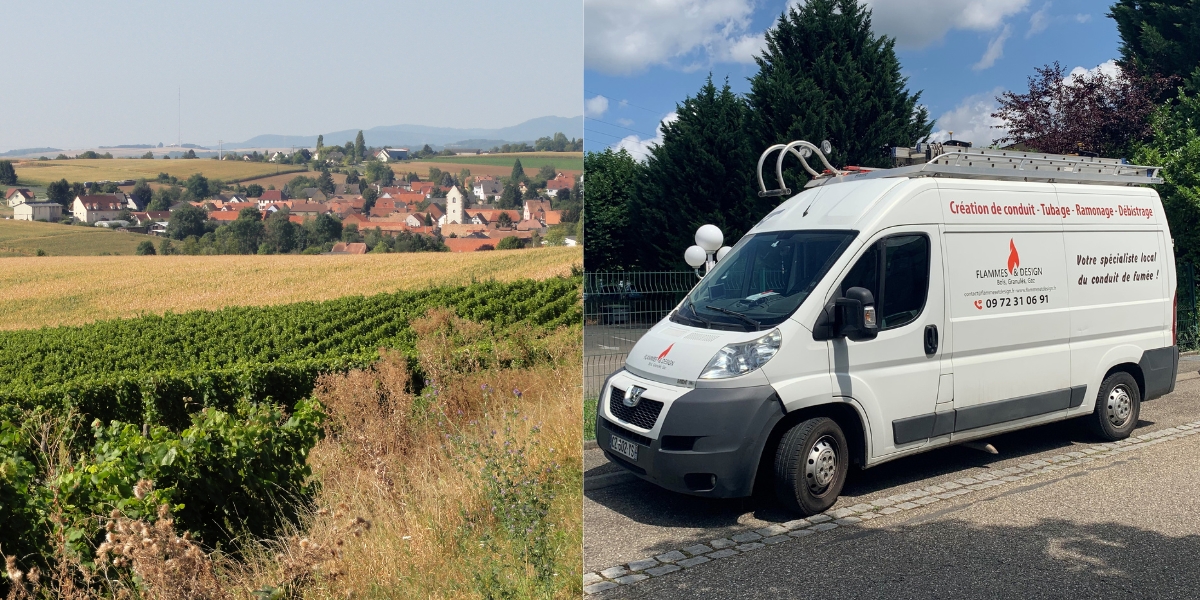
(865, 273)
(905, 280)
(902, 286)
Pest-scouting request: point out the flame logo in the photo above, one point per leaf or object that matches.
(664, 352)
(1014, 260)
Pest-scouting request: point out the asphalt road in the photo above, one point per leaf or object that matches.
(1075, 528)
(1122, 529)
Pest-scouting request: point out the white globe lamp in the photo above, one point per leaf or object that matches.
(709, 238)
(695, 256)
(722, 252)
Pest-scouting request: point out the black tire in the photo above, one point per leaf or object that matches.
(807, 479)
(1118, 405)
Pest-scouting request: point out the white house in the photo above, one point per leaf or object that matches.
(38, 211)
(454, 206)
(392, 154)
(17, 196)
(91, 209)
(486, 189)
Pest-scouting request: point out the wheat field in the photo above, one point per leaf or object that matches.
(35, 172)
(48, 291)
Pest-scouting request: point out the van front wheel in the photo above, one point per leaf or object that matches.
(810, 466)
(1117, 407)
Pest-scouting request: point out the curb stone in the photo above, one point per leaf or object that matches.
(677, 560)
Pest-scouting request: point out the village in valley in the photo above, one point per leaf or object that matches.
(334, 200)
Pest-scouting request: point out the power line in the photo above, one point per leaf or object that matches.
(617, 137)
(626, 103)
(620, 127)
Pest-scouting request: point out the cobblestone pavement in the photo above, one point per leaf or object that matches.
(635, 532)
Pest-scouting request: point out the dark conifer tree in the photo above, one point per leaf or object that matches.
(825, 76)
(703, 172)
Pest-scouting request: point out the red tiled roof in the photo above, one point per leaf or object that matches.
(560, 181)
(350, 248)
(468, 244)
(103, 203)
(272, 196)
(14, 191)
(223, 215)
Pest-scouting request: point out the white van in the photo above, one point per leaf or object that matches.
(885, 313)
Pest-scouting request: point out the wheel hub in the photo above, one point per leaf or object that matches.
(820, 466)
(1119, 406)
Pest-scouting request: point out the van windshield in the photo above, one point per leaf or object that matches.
(763, 279)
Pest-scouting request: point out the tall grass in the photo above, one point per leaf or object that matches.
(473, 484)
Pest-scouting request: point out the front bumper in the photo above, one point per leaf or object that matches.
(709, 440)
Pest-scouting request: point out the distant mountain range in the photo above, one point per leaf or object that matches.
(419, 135)
(24, 151)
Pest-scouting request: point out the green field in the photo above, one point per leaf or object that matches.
(34, 172)
(563, 161)
(25, 238)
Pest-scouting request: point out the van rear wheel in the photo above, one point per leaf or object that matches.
(810, 466)
(1118, 405)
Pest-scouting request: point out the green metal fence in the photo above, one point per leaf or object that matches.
(1187, 326)
(618, 307)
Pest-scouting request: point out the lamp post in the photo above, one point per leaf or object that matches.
(708, 249)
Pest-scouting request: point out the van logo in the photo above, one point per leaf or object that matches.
(1014, 259)
(633, 396)
(661, 361)
(1012, 268)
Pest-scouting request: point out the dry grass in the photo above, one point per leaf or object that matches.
(72, 290)
(438, 532)
(45, 171)
(25, 238)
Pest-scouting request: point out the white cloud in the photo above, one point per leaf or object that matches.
(972, 120)
(624, 122)
(623, 37)
(918, 23)
(995, 50)
(640, 148)
(1082, 18)
(1039, 21)
(595, 106)
(1109, 68)
(744, 49)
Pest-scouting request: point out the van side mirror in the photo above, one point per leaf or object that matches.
(855, 315)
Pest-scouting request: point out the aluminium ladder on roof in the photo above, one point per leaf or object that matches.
(982, 163)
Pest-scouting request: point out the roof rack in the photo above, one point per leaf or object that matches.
(972, 163)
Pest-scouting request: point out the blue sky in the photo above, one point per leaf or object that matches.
(643, 56)
(81, 74)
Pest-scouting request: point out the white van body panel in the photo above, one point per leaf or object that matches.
(1036, 291)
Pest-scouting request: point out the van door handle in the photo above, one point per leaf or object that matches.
(931, 340)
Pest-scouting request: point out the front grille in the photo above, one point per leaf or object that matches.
(632, 436)
(644, 415)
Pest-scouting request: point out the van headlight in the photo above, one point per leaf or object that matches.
(739, 359)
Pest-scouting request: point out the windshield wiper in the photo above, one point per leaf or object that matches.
(757, 326)
(706, 322)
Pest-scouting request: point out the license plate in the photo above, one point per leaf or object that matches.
(623, 447)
